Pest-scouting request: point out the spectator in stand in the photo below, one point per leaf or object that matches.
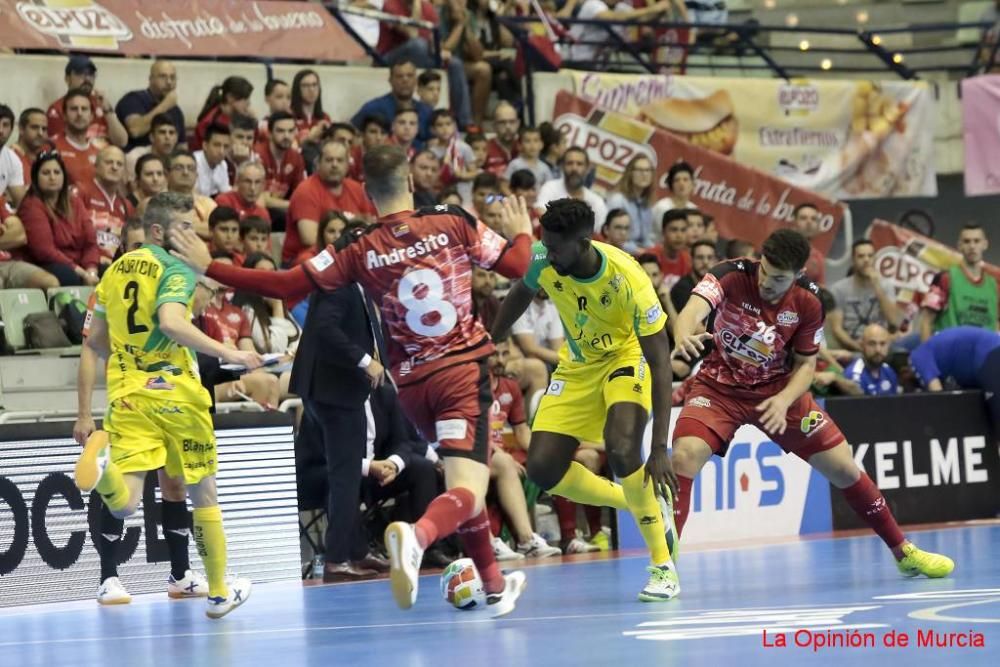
(459, 36)
(680, 181)
(278, 97)
(554, 144)
(496, 47)
(869, 371)
(457, 158)
(150, 179)
(255, 235)
(283, 166)
(739, 248)
(137, 109)
(634, 195)
(592, 36)
(182, 174)
(806, 217)
(402, 84)
(539, 331)
(964, 356)
(162, 142)
(78, 151)
(60, 238)
(485, 190)
(13, 183)
(575, 166)
(374, 132)
(530, 142)
(484, 302)
(245, 199)
(493, 214)
(32, 139)
(328, 189)
(672, 253)
(650, 263)
(242, 131)
(617, 229)
(331, 226)
(703, 258)
(133, 236)
(429, 88)
(307, 108)
(15, 273)
(523, 184)
(224, 224)
(965, 294)
(425, 169)
(504, 147)
(103, 198)
(450, 197)
(477, 142)
(860, 299)
(81, 74)
(696, 226)
(405, 127)
(231, 97)
(213, 173)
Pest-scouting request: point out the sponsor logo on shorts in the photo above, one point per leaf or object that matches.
(159, 383)
(787, 318)
(648, 520)
(699, 402)
(505, 398)
(812, 422)
(451, 429)
(818, 338)
(406, 368)
(653, 313)
(193, 447)
(556, 387)
(169, 410)
(637, 387)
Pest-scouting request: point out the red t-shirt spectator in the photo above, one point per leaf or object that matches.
(815, 268)
(303, 125)
(355, 163)
(233, 200)
(26, 162)
(214, 115)
(498, 157)
(227, 323)
(508, 408)
(108, 213)
(389, 37)
(79, 160)
(56, 240)
(311, 200)
(672, 269)
(57, 123)
(282, 176)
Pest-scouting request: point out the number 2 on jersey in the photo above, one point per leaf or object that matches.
(132, 294)
(427, 312)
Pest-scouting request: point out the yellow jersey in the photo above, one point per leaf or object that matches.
(600, 315)
(143, 360)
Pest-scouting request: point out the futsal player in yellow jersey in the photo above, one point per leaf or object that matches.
(158, 410)
(614, 369)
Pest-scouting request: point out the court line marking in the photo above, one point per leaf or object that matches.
(933, 613)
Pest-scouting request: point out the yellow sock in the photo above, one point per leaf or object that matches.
(646, 511)
(211, 542)
(112, 488)
(582, 486)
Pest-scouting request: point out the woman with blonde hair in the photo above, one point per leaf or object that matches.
(634, 195)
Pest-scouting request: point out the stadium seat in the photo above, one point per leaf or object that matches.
(81, 292)
(15, 305)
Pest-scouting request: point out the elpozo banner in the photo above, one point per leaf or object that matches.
(746, 203)
(846, 139)
(981, 131)
(262, 28)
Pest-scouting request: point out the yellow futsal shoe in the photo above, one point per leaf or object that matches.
(93, 461)
(915, 561)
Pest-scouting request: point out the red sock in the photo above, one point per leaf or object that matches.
(476, 541)
(869, 504)
(593, 519)
(496, 519)
(682, 503)
(566, 513)
(444, 515)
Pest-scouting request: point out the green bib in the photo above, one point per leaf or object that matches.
(969, 304)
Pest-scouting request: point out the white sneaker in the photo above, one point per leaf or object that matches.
(93, 461)
(663, 584)
(501, 604)
(579, 546)
(405, 555)
(112, 592)
(239, 592)
(537, 547)
(193, 585)
(503, 552)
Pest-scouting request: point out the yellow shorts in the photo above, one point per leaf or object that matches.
(579, 395)
(147, 434)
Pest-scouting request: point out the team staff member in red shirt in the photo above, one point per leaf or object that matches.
(249, 187)
(102, 197)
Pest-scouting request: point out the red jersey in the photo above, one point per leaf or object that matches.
(418, 266)
(26, 162)
(233, 200)
(312, 199)
(508, 408)
(98, 128)
(215, 116)
(227, 323)
(355, 162)
(79, 160)
(672, 269)
(108, 213)
(754, 339)
(815, 268)
(303, 125)
(390, 36)
(281, 175)
(498, 157)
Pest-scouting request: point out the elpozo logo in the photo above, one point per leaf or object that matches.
(76, 23)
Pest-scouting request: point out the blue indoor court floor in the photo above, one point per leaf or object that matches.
(572, 613)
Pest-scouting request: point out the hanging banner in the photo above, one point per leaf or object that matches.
(746, 203)
(981, 129)
(224, 28)
(846, 139)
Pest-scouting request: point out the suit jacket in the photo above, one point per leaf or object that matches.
(337, 335)
(394, 434)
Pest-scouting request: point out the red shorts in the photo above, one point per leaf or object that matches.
(714, 414)
(452, 407)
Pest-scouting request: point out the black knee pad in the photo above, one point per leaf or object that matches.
(545, 471)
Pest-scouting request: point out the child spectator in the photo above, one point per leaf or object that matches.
(530, 157)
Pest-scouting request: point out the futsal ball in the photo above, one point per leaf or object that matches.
(462, 586)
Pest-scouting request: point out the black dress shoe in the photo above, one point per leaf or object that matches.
(372, 561)
(337, 572)
(435, 559)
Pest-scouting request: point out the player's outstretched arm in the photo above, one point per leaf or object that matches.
(512, 307)
(96, 347)
(691, 344)
(174, 323)
(656, 350)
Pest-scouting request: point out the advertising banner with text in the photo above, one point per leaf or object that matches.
(846, 139)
